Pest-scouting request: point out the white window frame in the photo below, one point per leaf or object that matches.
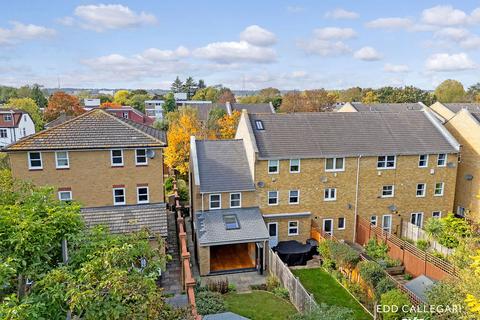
(417, 214)
(30, 161)
(335, 169)
(393, 191)
(115, 203)
(376, 220)
(268, 198)
(259, 125)
(298, 197)
(7, 117)
(424, 190)
(298, 171)
(111, 158)
(383, 223)
(344, 223)
(439, 214)
(3, 133)
(444, 161)
(125, 114)
(329, 190)
(219, 201)
(239, 200)
(269, 166)
(65, 191)
(442, 184)
(385, 162)
(138, 195)
(331, 223)
(136, 158)
(420, 160)
(297, 228)
(67, 158)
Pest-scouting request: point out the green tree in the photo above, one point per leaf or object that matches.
(201, 84)
(170, 104)
(6, 93)
(177, 85)
(29, 106)
(447, 292)
(395, 298)
(39, 97)
(121, 97)
(214, 115)
(473, 93)
(353, 94)
(450, 91)
(104, 98)
(206, 94)
(190, 87)
(138, 101)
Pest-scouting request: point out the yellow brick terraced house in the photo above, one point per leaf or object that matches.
(113, 167)
(329, 168)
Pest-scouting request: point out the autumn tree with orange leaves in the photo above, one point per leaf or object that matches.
(228, 125)
(61, 102)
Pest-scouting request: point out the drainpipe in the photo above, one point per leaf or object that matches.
(356, 200)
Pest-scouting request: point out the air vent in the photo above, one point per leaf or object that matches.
(451, 164)
(261, 184)
(324, 179)
(468, 177)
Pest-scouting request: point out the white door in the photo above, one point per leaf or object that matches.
(273, 233)
(328, 226)
(417, 219)
(387, 223)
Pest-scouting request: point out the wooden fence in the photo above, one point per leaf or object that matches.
(188, 281)
(299, 296)
(415, 233)
(416, 261)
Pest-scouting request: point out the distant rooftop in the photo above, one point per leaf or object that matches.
(387, 107)
(455, 107)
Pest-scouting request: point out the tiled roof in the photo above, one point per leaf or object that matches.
(126, 219)
(330, 134)
(476, 115)
(387, 107)
(61, 119)
(95, 129)
(455, 107)
(223, 166)
(211, 229)
(16, 117)
(253, 107)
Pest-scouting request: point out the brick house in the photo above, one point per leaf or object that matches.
(331, 168)
(108, 164)
(14, 125)
(462, 120)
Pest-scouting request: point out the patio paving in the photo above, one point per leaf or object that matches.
(171, 279)
(242, 280)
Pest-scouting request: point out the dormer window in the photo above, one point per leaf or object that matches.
(259, 125)
(7, 117)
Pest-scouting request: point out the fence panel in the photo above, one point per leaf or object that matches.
(415, 233)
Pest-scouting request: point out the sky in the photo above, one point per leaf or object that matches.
(240, 44)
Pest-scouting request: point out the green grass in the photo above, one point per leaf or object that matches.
(327, 290)
(259, 305)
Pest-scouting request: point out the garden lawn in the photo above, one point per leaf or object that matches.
(327, 290)
(259, 305)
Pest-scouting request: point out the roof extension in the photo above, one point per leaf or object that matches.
(222, 166)
(96, 129)
(330, 134)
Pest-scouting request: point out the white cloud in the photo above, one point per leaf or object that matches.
(340, 13)
(20, 31)
(66, 21)
(231, 52)
(258, 36)
(324, 47)
(367, 54)
(444, 16)
(390, 23)
(449, 62)
(475, 16)
(471, 42)
(334, 33)
(154, 54)
(395, 68)
(111, 16)
(454, 34)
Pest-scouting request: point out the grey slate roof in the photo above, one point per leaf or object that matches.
(387, 107)
(96, 129)
(211, 230)
(455, 107)
(204, 108)
(224, 316)
(223, 166)
(330, 134)
(252, 107)
(476, 115)
(126, 219)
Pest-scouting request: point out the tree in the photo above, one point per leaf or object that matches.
(110, 105)
(447, 292)
(38, 96)
(6, 93)
(370, 97)
(104, 98)
(201, 84)
(206, 94)
(170, 104)
(228, 125)
(450, 91)
(190, 87)
(121, 97)
(396, 298)
(292, 102)
(272, 95)
(83, 94)
(473, 92)
(182, 124)
(353, 94)
(226, 95)
(61, 102)
(177, 85)
(214, 115)
(29, 106)
(138, 101)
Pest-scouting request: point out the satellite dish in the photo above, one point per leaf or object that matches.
(261, 184)
(151, 153)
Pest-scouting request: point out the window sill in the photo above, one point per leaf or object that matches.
(63, 168)
(119, 166)
(293, 235)
(141, 165)
(35, 169)
(330, 200)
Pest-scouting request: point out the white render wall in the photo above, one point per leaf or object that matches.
(15, 134)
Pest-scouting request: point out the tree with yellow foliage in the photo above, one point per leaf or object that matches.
(228, 125)
(182, 124)
(121, 97)
(370, 97)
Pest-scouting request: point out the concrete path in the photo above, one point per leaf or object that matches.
(171, 279)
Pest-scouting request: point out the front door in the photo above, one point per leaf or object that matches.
(273, 232)
(328, 226)
(417, 219)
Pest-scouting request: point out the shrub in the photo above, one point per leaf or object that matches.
(169, 184)
(220, 286)
(282, 293)
(407, 276)
(209, 302)
(324, 249)
(389, 262)
(341, 253)
(337, 275)
(329, 265)
(262, 286)
(326, 312)
(397, 298)
(272, 282)
(371, 272)
(377, 250)
(356, 289)
(383, 286)
(232, 287)
(423, 244)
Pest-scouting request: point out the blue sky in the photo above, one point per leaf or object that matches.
(242, 44)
